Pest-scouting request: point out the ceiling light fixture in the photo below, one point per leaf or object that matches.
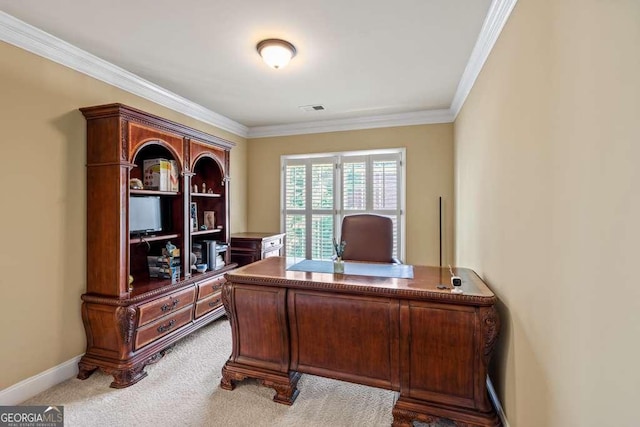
(276, 53)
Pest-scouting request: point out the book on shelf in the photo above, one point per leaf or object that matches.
(162, 261)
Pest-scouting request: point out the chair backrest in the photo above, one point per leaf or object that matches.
(369, 238)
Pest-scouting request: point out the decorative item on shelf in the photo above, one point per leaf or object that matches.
(197, 251)
(193, 260)
(130, 283)
(170, 250)
(204, 188)
(203, 227)
(210, 219)
(195, 188)
(135, 184)
(194, 216)
(175, 275)
(219, 262)
(174, 177)
(338, 264)
(210, 191)
(209, 252)
(201, 268)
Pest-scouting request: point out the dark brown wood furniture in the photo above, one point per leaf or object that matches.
(250, 247)
(368, 238)
(128, 328)
(405, 335)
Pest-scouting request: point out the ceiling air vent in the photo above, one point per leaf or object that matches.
(312, 108)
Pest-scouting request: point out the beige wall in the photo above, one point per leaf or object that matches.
(548, 208)
(429, 151)
(42, 253)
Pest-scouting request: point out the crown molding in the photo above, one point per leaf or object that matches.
(497, 16)
(34, 40)
(370, 122)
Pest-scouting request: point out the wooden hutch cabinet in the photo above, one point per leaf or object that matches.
(129, 325)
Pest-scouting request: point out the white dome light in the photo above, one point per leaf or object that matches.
(276, 53)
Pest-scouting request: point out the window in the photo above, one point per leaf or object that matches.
(319, 190)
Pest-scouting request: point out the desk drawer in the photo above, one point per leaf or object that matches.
(208, 304)
(162, 306)
(208, 287)
(163, 326)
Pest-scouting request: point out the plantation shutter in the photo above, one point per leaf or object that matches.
(322, 207)
(295, 205)
(371, 184)
(309, 195)
(319, 191)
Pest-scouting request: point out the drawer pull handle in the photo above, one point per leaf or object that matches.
(169, 307)
(166, 327)
(214, 303)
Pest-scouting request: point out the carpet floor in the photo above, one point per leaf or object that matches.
(182, 389)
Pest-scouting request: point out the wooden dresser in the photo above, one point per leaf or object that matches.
(250, 247)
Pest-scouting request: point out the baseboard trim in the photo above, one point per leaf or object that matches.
(28, 388)
(496, 403)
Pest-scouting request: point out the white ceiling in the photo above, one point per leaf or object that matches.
(358, 58)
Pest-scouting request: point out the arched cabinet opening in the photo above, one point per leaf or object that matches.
(208, 209)
(156, 217)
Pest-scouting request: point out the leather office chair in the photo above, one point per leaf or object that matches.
(369, 238)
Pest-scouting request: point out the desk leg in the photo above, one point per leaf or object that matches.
(407, 410)
(286, 386)
(286, 393)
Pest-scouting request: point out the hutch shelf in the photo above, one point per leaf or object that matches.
(133, 310)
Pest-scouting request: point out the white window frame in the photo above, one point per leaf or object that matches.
(338, 212)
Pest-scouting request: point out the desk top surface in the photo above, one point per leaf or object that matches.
(424, 284)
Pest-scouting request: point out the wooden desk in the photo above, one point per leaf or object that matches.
(398, 334)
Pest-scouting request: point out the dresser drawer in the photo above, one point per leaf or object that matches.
(162, 306)
(210, 303)
(272, 247)
(164, 326)
(207, 287)
(272, 244)
(275, 252)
